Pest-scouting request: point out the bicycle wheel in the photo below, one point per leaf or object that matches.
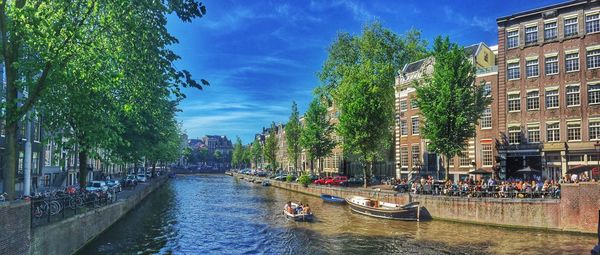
(54, 207)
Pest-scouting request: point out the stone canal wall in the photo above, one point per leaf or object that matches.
(15, 227)
(576, 211)
(70, 235)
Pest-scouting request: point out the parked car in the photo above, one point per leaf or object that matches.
(337, 181)
(95, 186)
(355, 180)
(114, 185)
(321, 181)
(142, 178)
(261, 174)
(280, 177)
(130, 180)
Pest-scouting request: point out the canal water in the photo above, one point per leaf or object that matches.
(219, 214)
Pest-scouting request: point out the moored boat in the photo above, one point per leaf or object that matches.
(385, 210)
(297, 216)
(266, 183)
(333, 199)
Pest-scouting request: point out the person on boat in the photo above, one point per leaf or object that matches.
(288, 207)
(299, 208)
(306, 209)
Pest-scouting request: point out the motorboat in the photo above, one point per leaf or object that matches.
(266, 183)
(385, 210)
(333, 199)
(297, 216)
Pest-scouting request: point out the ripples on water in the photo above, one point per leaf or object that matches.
(217, 214)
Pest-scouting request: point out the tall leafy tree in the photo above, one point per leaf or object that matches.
(247, 155)
(293, 130)
(270, 148)
(450, 101)
(40, 38)
(359, 76)
(256, 152)
(316, 136)
(238, 153)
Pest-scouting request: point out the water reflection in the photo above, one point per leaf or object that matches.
(215, 214)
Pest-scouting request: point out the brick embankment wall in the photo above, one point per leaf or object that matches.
(71, 234)
(576, 211)
(15, 227)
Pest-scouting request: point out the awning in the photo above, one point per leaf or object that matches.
(581, 168)
(480, 171)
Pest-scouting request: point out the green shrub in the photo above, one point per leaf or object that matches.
(289, 178)
(304, 179)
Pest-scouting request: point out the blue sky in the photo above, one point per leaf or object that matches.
(259, 56)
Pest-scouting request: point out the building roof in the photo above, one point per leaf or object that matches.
(544, 8)
(414, 66)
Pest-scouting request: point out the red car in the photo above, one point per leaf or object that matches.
(322, 181)
(338, 181)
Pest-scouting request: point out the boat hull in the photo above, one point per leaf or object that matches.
(298, 217)
(410, 212)
(333, 199)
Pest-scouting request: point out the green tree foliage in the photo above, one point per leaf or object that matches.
(238, 153)
(293, 130)
(316, 136)
(359, 76)
(450, 101)
(270, 149)
(118, 47)
(256, 153)
(247, 156)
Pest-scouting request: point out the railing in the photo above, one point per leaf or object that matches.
(50, 209)
(489, 191)
(484, 70)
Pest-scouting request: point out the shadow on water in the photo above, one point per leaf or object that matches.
(217, 214)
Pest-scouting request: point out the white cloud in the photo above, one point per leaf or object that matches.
(486, 24)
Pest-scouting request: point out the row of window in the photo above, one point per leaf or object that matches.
(404, 104)
(487, 156)
(570, 29)
(551, 98)
(414, 123)
(551, 64)
(532, 132)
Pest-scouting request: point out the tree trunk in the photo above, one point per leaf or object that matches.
(447, 167)
(10, 168)
(366, 175)
(312, 163)
(83, 169)
(153, 168)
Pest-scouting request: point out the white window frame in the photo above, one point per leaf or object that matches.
(568, 22)
(573, 131)
(594, 129)
(514, 135)
(549, 61)
(487, 155)
(553, 132)
(552, 97)
(533, 100)
(531, 130)
(516, 74)
(512, 106)
(592, 20)
(511, 37)
(595, 54)
(571, 60)
(573, 96)
(595, 89)
(550, 26)
(531, 66)
(485, 122)
(531, 35)
(403, 128)
(403, 105)
(412, 125)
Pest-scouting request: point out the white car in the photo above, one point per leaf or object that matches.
(94, 186)
(142, 178)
